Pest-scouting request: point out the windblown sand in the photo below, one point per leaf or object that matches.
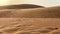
(29, 25)
(30, 21)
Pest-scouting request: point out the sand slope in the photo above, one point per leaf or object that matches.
(30, 21)
(50, 12)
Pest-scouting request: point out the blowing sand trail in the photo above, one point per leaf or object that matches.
(29, 25)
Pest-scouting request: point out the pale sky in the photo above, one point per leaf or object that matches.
(46, 3)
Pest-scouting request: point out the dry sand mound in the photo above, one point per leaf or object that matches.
(21, 6)
(50, 12)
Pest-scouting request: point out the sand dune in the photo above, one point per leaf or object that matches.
(50, 12)
(21, 6)
(30, 21)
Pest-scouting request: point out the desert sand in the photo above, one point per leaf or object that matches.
(29, 25)
(49, 12)
(30, 21)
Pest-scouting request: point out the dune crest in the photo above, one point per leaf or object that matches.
(21, 6)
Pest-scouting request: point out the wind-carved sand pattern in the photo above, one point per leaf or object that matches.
(29, 25)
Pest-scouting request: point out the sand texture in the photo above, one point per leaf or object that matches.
(44, 20)
(49, 12)
(29, 25)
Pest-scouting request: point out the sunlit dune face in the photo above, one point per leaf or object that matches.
(4, 2)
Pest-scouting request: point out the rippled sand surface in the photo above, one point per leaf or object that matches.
(29, 25)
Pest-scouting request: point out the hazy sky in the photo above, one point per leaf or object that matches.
(37, 2)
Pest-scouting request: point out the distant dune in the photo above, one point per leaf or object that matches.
(21, 6)
(50, 12)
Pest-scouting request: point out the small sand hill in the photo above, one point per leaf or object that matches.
(50, 12)
(21, 6)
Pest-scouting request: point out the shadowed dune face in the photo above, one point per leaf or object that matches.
(21, 6)
(51, 12)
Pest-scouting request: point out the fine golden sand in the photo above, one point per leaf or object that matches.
(30, 21)
(29, 25)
